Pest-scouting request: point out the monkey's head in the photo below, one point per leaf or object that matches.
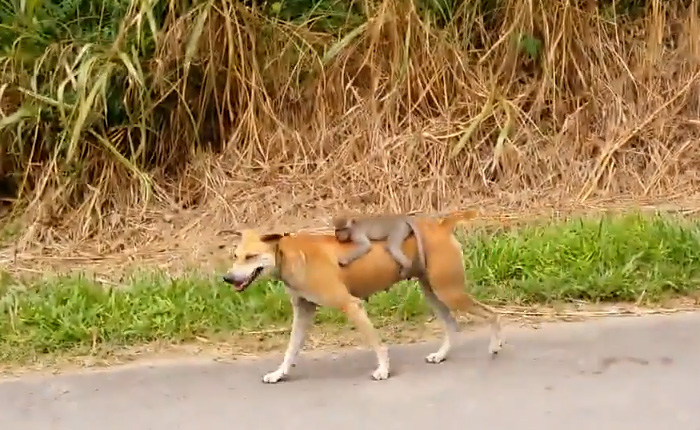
(342, 225)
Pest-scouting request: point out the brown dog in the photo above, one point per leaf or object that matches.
(308, 265)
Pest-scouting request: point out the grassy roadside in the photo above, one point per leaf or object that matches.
(616, 258)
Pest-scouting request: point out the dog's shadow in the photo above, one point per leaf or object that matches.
(358, 363)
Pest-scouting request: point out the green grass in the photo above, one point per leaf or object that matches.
(606, 259)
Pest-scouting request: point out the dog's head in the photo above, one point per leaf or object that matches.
(254, 258)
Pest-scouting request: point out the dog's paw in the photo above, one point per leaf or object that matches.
(495, 346)
(435, 358)
(273, 377)
(380, 374)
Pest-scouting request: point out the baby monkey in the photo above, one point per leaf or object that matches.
(394, 228)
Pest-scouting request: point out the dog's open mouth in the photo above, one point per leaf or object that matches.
(244, 283)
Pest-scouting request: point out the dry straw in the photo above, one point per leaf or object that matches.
(240, 117)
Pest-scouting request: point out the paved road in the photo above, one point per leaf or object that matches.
(626, 373)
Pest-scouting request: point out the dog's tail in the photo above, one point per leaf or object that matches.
(451, 220)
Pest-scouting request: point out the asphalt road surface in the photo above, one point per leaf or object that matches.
(619, 373)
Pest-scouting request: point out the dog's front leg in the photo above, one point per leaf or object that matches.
(303, 314)
(355, 312)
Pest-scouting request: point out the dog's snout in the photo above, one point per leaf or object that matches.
(229, 278)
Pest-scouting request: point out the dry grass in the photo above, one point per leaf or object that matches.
(235, 117)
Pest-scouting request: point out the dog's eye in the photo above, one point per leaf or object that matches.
(250, 257)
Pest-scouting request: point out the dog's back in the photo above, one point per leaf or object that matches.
(371, 273)
(377, 271)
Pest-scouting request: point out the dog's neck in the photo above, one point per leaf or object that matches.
(280, 264)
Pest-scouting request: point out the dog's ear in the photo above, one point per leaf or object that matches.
(272, 237)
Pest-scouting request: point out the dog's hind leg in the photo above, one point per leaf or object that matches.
(446, 277)
(494, 320)
(459, 300)
(448, 322)
(303, 314)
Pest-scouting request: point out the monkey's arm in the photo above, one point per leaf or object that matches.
(363, 246)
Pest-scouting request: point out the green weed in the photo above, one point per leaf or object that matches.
(607, 259)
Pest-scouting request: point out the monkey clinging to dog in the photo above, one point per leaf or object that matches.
(394, 228)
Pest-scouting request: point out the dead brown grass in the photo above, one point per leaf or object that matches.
(250, 120)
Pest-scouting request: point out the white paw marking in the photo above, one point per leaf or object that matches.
(380, 374)
(273, 377)
(435, 358)
(495, 346)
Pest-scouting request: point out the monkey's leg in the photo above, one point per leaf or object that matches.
(394, 242)
(363, 247)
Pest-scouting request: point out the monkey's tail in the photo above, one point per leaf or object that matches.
(451, 220)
